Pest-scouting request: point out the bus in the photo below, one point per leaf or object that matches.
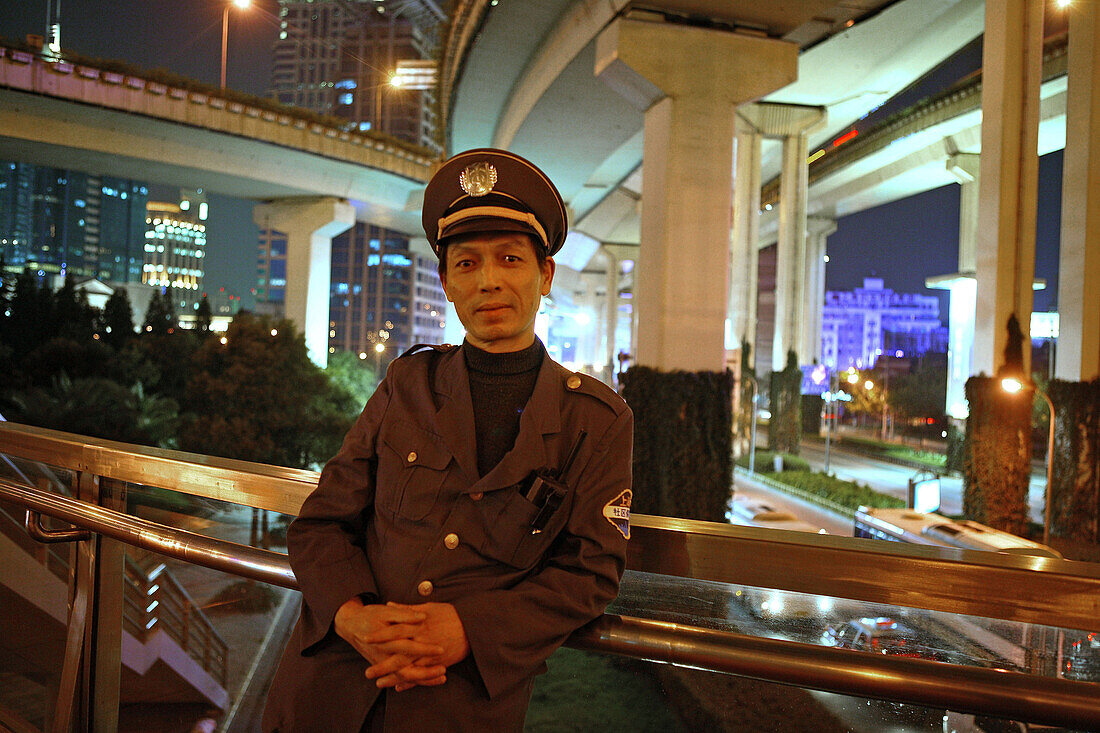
(767, 603)
(907, 525)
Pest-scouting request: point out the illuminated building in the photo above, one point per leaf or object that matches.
(59, 222)
(381, 292)
(861, 325)
(336, 57)
(175, 248)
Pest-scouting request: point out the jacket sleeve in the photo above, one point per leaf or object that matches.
(323, 543)
(513, 631)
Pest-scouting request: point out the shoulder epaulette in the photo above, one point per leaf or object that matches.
(584, 384)
(417, 348)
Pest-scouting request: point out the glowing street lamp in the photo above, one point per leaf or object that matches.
(242, 4)
(1013, 385)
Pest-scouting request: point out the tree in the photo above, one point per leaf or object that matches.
(75, 318)
(354, 376)
(203, 315)
(160, 317)
(118, 319)
(99, 408)
(923, 392)
(31, 320)
(258, 397)
(785, 429)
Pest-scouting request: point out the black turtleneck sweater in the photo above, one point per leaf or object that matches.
(500, 385)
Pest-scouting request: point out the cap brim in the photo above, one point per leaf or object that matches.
(486, 225)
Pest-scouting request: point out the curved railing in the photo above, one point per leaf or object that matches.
(1027, 590)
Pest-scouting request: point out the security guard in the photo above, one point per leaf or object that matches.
(478, 511)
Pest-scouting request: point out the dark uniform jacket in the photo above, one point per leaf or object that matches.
(400, 514)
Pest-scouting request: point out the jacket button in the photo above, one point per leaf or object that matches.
(573, 382)
(450, 541)
(411, 457)
(425, 588)
(476, 496)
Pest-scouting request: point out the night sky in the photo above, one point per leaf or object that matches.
(903, 242)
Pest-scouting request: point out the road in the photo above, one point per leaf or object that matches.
(890, 478)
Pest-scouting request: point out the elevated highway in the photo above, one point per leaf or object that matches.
(74, 116)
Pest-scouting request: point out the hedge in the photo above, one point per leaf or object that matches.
(845, 493)
(682, 441)
(997, 456)
(1075, 484)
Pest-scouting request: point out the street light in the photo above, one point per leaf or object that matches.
(1013, 385)
(242, 4)
(752, 427)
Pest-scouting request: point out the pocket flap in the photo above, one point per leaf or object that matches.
(417, 447)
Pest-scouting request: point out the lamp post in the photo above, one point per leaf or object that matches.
(1012, 385)
(242, 4)
(752, 426)
(829, 416)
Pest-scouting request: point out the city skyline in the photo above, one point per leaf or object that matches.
(903, 242)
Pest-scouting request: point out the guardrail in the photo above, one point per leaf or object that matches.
(1044, 591)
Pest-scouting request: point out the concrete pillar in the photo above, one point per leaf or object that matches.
(611, 308)
(744, 236)
(1008, 187)
(688, 80)
(966, 167)
(818, 230)
(309, 225)
(1078, 355)
(791, 123)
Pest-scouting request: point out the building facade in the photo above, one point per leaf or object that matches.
(861, 325)
(175, 248)
(337, 57)
(59, 222)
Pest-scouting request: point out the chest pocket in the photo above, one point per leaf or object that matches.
(509, 538)
(411, 471)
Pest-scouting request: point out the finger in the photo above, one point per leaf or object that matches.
(389, 665)
(410, 674)
(400, 613)
(433, 682)
(410, 648)
(389, 633)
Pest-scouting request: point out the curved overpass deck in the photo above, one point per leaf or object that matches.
(75, 116)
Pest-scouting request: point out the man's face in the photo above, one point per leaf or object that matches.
(496, 283)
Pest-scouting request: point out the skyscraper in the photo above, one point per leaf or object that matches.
(175, 248)
(59, 222)
(336, 57)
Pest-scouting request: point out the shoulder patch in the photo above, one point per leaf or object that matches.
(617, 512)
(417, 348)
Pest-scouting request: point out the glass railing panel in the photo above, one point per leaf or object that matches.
(938, 636)
(35, 592)
(232, 630)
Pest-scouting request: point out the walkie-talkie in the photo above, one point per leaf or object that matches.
(547, 490)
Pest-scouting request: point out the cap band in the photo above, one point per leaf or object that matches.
(495, 212)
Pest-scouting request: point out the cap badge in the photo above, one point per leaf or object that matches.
(478, 179)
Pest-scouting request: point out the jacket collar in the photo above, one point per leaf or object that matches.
(455, 417)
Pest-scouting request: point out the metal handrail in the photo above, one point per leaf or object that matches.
(1012, 588)
(971, 689)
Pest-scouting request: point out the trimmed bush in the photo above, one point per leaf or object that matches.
(845, 493)
(1075, 483)
(765, 460)
(682, 441)
(997, 456)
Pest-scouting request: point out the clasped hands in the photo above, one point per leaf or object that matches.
(405, 645)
